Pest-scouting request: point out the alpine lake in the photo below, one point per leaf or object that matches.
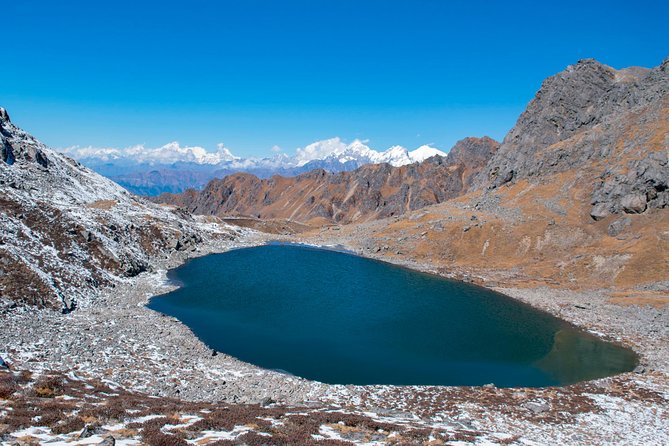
(339, 318)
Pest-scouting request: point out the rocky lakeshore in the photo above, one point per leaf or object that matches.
(123, 344)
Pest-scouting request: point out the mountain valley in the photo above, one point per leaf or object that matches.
(569, 214)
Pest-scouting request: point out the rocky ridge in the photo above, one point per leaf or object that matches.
(575, 197)
(367, 193)
(584, 116)
(67, 231)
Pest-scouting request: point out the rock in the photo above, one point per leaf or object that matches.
(639, 369)
(4, 116)
(88, 431)
(108, 441)
(537, 407)
(600, 211)
(645, 185)
(267, 401)
(570, 104)
(634, 203)
(3, 364)
(618, 226)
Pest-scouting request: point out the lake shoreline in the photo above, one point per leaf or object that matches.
(121, 341)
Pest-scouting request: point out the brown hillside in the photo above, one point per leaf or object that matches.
(368, 193)
(576, 197)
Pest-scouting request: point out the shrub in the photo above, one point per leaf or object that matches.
(154, 437)
(70, 424)
(48, 386)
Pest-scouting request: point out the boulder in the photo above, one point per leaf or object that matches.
(537, 407)
(600, 211)
(88, 431)
(634, 203)
(618, 226)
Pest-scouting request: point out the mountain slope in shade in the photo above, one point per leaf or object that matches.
(66, 230)
(369, 192)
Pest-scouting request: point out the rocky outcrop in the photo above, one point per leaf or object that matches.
(18, 148)
(595, 119)
(65, 231)
(644, 185)
(370, 192)
(575, 197)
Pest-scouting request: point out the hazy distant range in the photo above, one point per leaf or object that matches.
(175, 168)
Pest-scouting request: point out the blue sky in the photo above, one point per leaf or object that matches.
(254, 74)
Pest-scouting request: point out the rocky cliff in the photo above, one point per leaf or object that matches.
(367, 193)
(65, 230)
(613, 122)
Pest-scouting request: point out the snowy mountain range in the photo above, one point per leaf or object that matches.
(174, 168)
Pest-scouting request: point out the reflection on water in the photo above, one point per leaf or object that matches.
(578, 356)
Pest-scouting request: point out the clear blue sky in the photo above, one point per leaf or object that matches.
(253, 74)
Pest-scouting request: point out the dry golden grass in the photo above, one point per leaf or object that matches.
(657, 299)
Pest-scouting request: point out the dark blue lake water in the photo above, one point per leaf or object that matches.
(340, 318)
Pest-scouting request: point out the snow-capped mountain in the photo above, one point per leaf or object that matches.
(174, 168)
(358, 152)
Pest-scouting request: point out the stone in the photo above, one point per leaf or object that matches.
(600, 211)
(537, 407)
(3, 364)
(108, 441)
(4, 116)
(618, 226)
(634, 203)
(267, 401)
(87, 431)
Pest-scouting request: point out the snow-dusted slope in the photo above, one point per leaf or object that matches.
(66, 230)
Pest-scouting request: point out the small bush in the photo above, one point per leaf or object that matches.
(8, 385)
(154, 437)
(48, 387)
(7, 390)
(70, 424)
(254, 439)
